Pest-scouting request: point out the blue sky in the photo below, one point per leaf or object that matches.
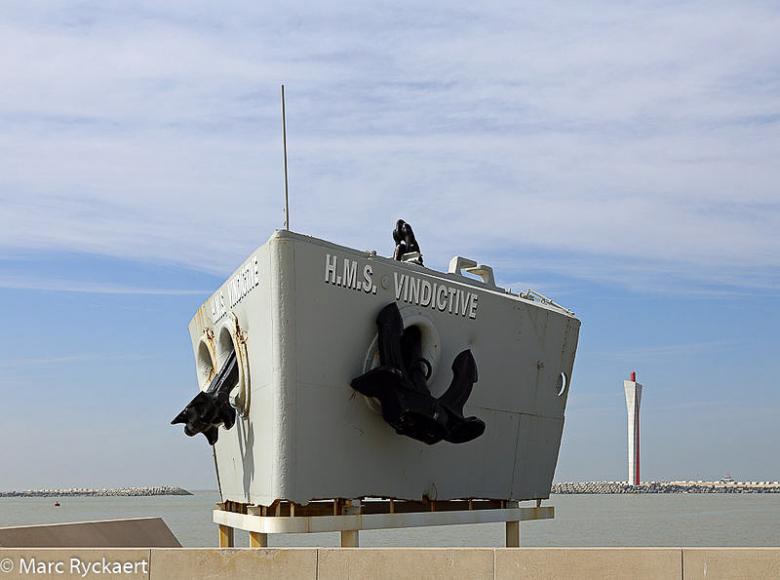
(620, 157)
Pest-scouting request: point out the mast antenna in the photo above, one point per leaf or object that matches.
(286, 186)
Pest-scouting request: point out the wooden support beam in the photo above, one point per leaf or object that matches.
(258, 540)
(341, 507)
(513, 534)
(350, 539)
(225, 536)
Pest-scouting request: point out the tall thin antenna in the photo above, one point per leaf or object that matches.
(286, 187)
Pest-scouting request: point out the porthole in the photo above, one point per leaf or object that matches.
(229, 341)
(429, 338)
(562, 384)
(430, 343)
(225, 345)
(205, 364)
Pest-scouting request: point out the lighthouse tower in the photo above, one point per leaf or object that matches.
(633, 400)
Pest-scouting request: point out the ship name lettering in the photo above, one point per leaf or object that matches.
(246, 279)
(347, 275)
(435, 295)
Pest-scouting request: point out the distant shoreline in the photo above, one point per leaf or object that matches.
(565, 488)
(613, 487)
(103, 492)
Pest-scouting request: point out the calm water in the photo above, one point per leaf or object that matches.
(581, 520)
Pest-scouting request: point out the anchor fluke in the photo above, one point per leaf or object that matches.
(464, 375)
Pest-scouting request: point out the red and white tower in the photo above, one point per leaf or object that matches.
(633, 400)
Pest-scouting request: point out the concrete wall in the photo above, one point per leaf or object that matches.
(124, 533)
(396, 564)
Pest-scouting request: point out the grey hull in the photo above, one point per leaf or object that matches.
(300, 313)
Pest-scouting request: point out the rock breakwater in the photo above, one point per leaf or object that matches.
(103, 492)
(594, 487)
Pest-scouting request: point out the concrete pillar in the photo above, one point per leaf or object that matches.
(633, 401)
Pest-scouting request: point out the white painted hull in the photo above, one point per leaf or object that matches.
(305, 330)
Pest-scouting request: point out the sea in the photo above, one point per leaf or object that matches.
(727, 520)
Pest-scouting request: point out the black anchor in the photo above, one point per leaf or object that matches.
(400, 384)
(405, 242)
(211, 408)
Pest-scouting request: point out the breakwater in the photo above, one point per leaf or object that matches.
(593, 487)
(103, 492)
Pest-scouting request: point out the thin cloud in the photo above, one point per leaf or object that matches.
(85, 287)
(668, 350)
(72, 358)
(630, 144)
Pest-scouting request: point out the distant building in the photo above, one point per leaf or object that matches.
(633, 401)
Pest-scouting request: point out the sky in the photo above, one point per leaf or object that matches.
(620, 157)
